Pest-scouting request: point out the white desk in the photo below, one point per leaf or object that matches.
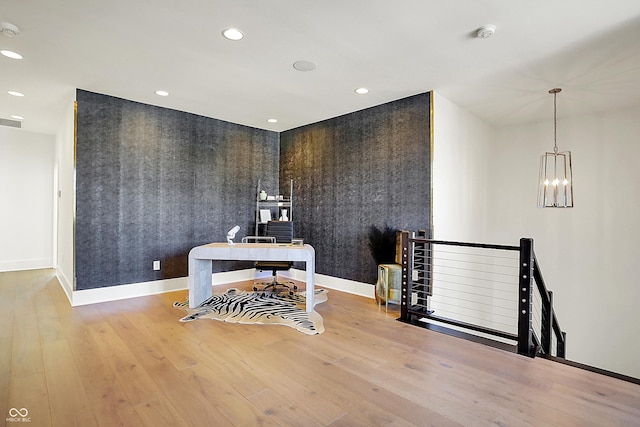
(200, 257)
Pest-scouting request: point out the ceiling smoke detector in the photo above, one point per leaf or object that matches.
(9, 29)
(486, 31)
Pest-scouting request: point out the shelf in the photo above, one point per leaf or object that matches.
(275, 206)
(274, 203)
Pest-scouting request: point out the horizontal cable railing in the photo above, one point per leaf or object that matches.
(479, 287)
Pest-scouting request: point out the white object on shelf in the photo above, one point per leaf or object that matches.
(279, 207)
(265, 216)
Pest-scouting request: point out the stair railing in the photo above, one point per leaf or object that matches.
(534, 328)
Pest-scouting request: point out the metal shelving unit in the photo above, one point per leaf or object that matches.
(275, 207)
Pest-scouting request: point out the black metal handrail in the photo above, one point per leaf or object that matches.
(549, 319)
(527, 339)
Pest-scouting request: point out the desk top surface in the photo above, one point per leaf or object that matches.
(254, 245)
(253, 251)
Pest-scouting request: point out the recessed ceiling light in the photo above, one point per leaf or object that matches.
(162, 93)
(272, 120)
(17, 117)
(233, 34)
(303, 65)
(362, 90)
(14, 93)
(11, 54)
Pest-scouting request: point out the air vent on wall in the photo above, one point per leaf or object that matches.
(11, 123)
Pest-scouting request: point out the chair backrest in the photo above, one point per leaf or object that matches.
(281, 230)
(258, 239)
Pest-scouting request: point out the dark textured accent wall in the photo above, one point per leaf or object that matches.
(364, 168)
(151, 183)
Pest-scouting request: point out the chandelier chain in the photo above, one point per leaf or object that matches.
(555, 124)
(555, 92)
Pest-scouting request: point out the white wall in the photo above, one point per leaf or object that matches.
(26, 190)
(587, 253)
(461, 152)
(459, 172)
(65, 166)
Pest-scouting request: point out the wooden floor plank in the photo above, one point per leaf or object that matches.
(222, 396)
(272, 370)
(68, 402)
(175, 385)
(30, 392)
(113, 408)
(159, 412)
(26, 357)
(132, 362)
(5, 374)
(133, 377)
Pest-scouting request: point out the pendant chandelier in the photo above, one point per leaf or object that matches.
(555, 187)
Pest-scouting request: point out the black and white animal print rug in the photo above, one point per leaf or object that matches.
(235, 306)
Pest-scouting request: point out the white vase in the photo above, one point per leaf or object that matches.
(283, 215)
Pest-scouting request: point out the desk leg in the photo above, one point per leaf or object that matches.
(200, 284)
(310, 268)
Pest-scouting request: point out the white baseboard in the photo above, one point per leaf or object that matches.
(343, 285)
(67, 285)
(133, 290)
(26, 264)
(118, 292)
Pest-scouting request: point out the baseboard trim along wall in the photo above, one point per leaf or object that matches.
(25, 264)
(134, 290)
(66, 285)
(343, 285)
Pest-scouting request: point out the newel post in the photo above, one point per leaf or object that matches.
(525, 300)
(405, 256)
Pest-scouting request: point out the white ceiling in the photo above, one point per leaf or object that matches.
(129, 49)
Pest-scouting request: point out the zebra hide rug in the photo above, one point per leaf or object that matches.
(235, 306)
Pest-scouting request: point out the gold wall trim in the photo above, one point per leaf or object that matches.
(431, 165)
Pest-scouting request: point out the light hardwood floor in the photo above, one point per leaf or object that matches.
(132, 363)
